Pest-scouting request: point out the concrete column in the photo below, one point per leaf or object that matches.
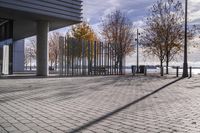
(42, 48)
(5, 67)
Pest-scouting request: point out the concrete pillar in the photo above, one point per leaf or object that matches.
(42, 48)
(5, 67)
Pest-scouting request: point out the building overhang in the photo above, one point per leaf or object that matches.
(24, 22)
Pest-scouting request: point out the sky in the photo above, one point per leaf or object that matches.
(94, 10)
(137, 11)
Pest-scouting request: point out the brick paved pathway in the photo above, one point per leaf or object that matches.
(100, 105)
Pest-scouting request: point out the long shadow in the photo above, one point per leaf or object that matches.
(120, 109)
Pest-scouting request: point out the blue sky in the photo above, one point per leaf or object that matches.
(137, 10)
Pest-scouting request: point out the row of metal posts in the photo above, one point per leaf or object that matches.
(177, 71)
(87, 58)
(162, 71)
(190, 72)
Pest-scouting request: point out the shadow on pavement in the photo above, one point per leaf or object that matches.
(95, 121)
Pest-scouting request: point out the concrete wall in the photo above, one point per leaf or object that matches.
(18, 56)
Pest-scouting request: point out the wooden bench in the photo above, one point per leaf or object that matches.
(99, 70)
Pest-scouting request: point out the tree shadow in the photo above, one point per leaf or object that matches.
(97, 120)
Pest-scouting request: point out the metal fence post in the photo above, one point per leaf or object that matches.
(89, 57)
(95, 58)
(145, 71)
(190, 72)
(161, 71)
(72, 56)
(65, 55)
(133, 70)
(177, 71)
(61, 47)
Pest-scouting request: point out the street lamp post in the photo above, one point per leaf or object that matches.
(185, 64)
(137, 50)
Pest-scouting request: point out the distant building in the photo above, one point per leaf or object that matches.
(20, 19)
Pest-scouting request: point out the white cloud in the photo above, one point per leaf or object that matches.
(137, 11)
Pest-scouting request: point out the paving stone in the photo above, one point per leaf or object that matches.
(18, 131)
(100, 105)
(10, 129)
(55, 124)
(50, 128)
(25, 121)
(21, 127)
(63, 128)
(31, 125)
(38, 129)
(30, 131)
(87, 131)
(2, 130)
(44, 131)
(6, 124)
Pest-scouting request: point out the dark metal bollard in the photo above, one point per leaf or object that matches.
(145, 71)
(190, 72)
(161, 72)
(133, 70)
(177, 71)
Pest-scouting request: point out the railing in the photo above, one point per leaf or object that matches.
(174, 71)
(82, 58)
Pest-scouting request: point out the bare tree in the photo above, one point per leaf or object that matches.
(54, 48)
(118, 31)
(164, 32)
(26, 58)
(30, 52)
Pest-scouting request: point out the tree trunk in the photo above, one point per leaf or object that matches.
(56, 63)
(30, 64)
(161, 67)
(167, 63)
(120, 65)
(26, 66)
(51, 64)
